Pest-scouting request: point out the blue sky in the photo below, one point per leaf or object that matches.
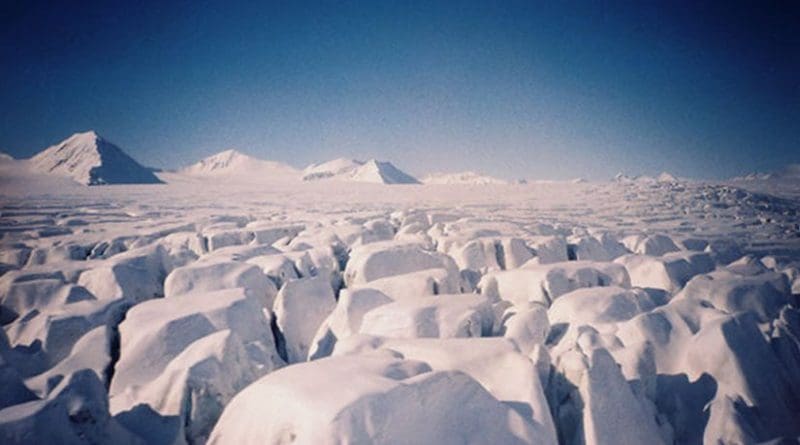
(513, 89)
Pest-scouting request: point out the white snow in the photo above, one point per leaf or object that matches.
(379, 172)
(300, 308)
(91, 160)
(543, 284)
(385, 400)
(442, 316)
(233, 165)
(647, 310)
(461, 178)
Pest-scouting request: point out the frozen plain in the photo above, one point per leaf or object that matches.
(283, 311)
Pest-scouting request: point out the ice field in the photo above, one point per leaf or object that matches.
(234, 302)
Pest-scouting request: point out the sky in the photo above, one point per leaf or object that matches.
(540, 90)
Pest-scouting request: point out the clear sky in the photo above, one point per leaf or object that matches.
(557, 89)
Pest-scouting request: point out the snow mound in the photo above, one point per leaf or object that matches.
(233, 164)
(370, 398)
(91, 160)
(494, 362)
(156, 332)
(76, 413)
(388, 258)
(441, 316)
(373, 171)
(542, 284)
(467, 177)
(300, 308)
(669, 272)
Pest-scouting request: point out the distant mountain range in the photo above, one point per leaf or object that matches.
(89, 159)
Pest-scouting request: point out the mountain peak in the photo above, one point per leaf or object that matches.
(223, 159)
(382, 172)
(373, 170)
(86, 138)
(91, 160)
(232, 162)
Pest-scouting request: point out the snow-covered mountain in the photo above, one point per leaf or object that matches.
(336, 167)
(373, 171)
(784, 182)
(232, 163)
(91, 160)
(666, 177)
(468, 177)
(5, 157)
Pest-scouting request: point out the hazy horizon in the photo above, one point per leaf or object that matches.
(518, 90)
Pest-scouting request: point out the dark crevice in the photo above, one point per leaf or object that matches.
(114, 345)
(280, 341)
(500, 254)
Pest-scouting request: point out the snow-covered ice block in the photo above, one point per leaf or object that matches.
(527, 328)
(514, 252)
(542, 284)
(320, 235)
(75, 413)
(240, 253)
(268, 232)
(486, 254)
(601, 248)
(192, 390)
(599, 305)
(653, 245)
(703, 355)
(224, 235)
(763, 294)
(669, 272)
(495, 363)
(416, 284)
(369, 398)
(51, 335)
(91, 351)
(443, 316)
(478, 255)
(206, 276)
(667, 330)
(549, 249)
(57, 254)
(611, 413)
(136, 275)
(733, 351)
(279, 268)
(157, 331)
(382, 259)
(300, 308)
(345, 319)
(20, 298)
(190, 242)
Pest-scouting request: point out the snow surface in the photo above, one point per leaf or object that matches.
(234, 305)
(467, 177)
